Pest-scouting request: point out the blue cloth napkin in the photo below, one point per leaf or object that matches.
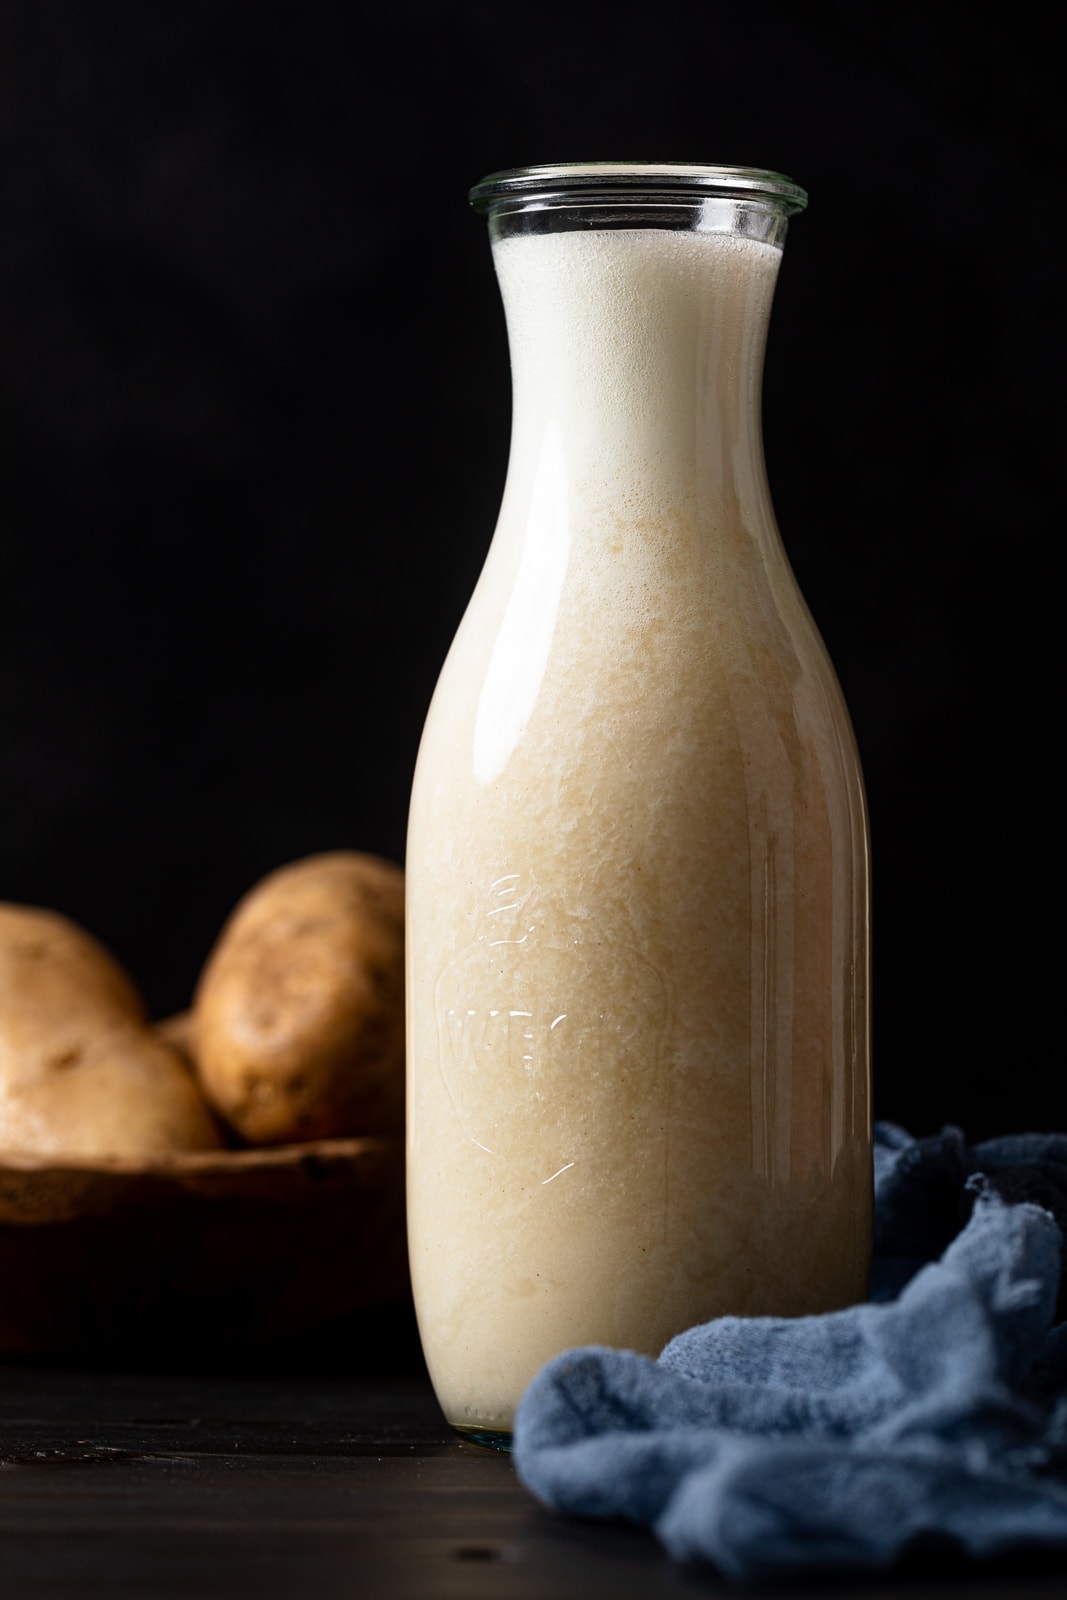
(936, 1414)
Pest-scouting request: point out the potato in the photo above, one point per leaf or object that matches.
(177, 1031)
(299, 1013)
(81, 1074)
(49, 967)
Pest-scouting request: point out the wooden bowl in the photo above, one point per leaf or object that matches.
(194, 1253)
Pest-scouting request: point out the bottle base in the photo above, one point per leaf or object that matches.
(490, 1438)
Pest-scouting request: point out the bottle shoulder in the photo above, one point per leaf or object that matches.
(656, 666)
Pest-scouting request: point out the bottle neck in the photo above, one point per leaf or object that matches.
(637, 356)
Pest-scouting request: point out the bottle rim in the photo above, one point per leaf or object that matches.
(578, 182)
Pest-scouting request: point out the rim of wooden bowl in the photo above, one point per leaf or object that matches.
(260, 1158)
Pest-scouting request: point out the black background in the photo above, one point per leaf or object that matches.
(255, 411)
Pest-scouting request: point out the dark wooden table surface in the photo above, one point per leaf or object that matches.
(318, 1478)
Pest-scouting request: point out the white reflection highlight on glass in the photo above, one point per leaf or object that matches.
(520, 653)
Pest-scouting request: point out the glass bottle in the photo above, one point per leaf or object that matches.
(637, 859)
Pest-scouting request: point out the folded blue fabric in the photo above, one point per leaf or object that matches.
(936, 1413)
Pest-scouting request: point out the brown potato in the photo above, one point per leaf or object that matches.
(177, 1031)
(81, 1075)
(299, 1012)
(49, 967)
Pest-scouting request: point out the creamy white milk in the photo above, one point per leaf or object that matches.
(637, 856)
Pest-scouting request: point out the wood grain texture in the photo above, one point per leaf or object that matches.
(145, 1485)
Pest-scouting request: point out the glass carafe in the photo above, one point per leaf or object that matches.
(637, 858)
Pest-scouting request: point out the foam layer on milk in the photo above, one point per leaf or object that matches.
(613, 478)
(637, 359)
(613, 333)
